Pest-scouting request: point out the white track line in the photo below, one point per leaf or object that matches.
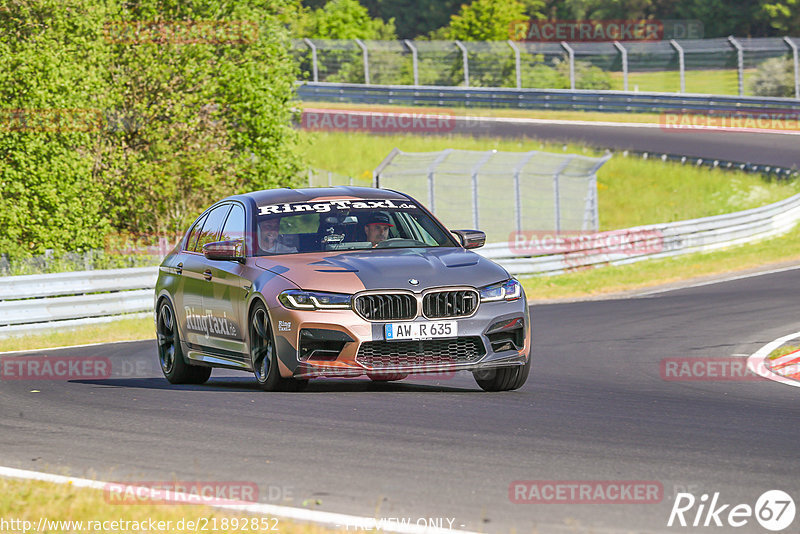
(330, 519)
(76, 346)
(756, 362)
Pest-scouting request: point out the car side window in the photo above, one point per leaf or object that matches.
(234, 226)
(192, 240)
(212, 226)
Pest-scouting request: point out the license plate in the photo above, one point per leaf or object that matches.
(423, 330)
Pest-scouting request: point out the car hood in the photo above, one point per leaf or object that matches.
(349, 272)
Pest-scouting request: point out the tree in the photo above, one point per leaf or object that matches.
(485, 20)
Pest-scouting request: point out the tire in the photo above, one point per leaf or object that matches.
(264, 357)
(503, 378)
(170, 355)
(387, 377)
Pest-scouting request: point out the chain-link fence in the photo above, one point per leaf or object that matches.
(499, 192)
(712, 66)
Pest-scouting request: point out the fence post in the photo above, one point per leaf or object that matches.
(376, 174)
(474, 174)
(465, 57)
(571, 53)
(365, 54)
(330, 179)
(739, 62)
(431, 170)
(518, 190)
(414, 60)
(681, 63)
(314, 67)
(515, 48)
(796, 66)
(310, 176)
(593, 209)
(624, 54)
(556, 192)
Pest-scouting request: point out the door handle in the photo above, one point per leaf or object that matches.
(207, 274)
(179, 268)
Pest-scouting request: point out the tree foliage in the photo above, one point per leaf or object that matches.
(182, 123)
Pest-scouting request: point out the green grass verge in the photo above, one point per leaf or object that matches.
(122, 330)
(713, 82)
(631, 191)
(649, 273)
(782, 351)
(22, 500)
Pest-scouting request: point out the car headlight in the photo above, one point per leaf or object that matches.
(508, 290)
(296, 299)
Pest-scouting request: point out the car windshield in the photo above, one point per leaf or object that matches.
(331, 225)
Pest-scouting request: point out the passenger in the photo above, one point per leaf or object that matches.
(269, 237)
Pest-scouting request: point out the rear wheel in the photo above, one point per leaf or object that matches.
(170, 355)
(503, 378)
(263, 355)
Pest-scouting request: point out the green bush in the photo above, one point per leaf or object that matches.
(774, 77)
(180, 123)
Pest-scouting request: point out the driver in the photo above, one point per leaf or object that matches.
(268, 232)
(377, 228)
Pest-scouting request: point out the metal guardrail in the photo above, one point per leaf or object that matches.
(550, 99)
(653, 241)
(47, 301)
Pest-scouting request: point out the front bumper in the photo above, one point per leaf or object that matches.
(339, 343)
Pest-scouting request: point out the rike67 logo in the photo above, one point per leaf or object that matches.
(774, 510)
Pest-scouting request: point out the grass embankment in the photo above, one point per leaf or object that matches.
(631, 191)
(32, 501)
(122, 330)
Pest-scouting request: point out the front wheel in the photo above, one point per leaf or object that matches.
(263, 356)
(503, 378)
(170, 354)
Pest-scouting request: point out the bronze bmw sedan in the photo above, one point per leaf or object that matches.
(294, 284)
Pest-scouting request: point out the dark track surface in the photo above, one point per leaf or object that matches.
(595, 408)
(764, 148)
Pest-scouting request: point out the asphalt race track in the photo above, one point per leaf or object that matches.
(764, 148)
(596, 408)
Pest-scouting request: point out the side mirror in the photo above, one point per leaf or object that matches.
(470, 238)
(224, 250)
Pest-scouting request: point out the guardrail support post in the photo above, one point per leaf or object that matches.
(739, 62)
(517, 62)
(681, 63)
(414, 60)
(796, 66)
(465, 58)
(571, 53)
(314, 67)
(624, 57)
(365, 55)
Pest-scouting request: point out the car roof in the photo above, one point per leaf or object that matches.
(279, 196)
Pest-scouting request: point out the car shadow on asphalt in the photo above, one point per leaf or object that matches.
(248, 385)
